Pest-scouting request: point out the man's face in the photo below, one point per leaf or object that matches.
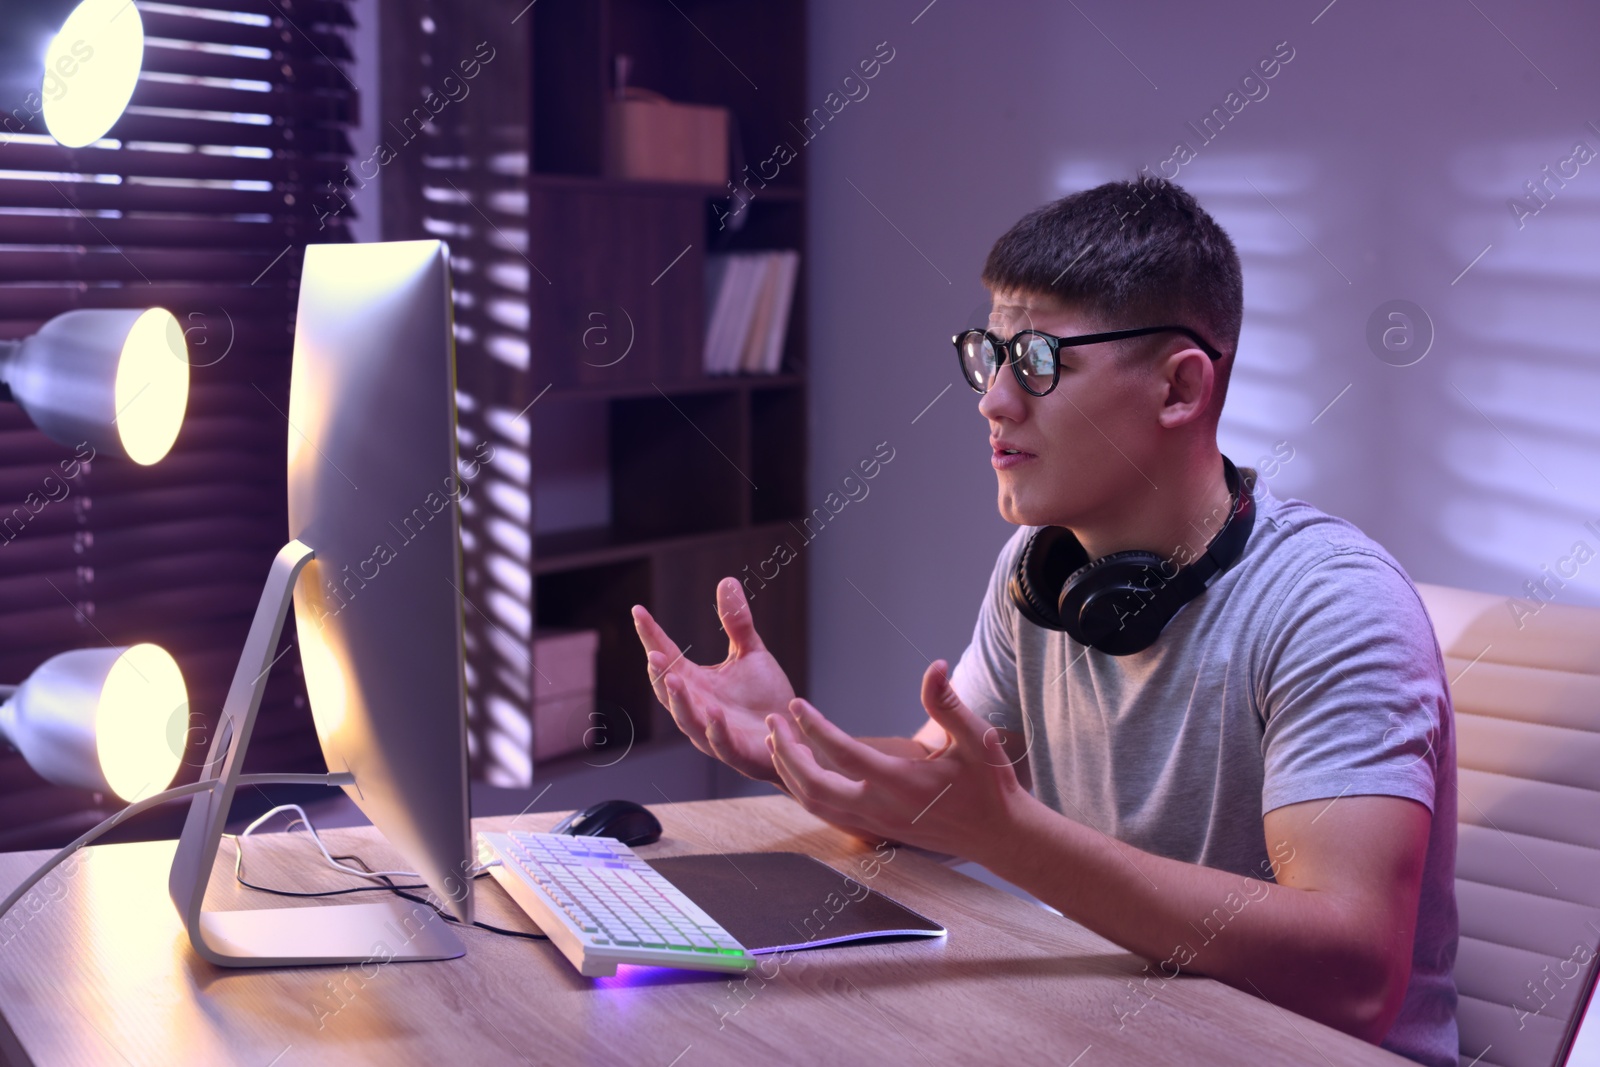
(1083, 446)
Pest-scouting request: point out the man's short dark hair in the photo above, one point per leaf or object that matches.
(1129, 253)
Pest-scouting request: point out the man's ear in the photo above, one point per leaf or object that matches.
(1188, 379)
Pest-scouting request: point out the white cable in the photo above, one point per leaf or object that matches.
(375, 876)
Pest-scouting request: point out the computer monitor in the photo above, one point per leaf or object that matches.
(373, 491)
(373, 569)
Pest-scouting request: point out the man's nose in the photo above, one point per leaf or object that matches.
(1005, 398)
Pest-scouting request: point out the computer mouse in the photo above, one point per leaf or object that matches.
(630, 823)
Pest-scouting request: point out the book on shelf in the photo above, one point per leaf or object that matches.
(748, 299)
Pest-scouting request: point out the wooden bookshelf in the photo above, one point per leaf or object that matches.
(628, 475)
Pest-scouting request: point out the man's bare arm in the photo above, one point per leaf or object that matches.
(1332, 939)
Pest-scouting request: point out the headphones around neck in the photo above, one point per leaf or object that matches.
(1120, 603)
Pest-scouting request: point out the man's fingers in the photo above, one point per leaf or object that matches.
(734, 610)
(689, 719)
(799, 767)
(656, 668)
(845, 752)
(944, 707)
(651, 635)
(727, 747)
(717, 737)
(849, 821)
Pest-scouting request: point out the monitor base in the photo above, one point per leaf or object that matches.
(374, 933)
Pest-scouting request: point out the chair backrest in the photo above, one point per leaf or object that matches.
(1525, 684)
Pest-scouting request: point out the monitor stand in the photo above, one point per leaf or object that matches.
(379, 932)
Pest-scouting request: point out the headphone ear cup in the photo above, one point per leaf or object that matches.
(1049, 557)
(1118, 603)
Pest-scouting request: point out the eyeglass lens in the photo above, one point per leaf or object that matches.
(982, 362)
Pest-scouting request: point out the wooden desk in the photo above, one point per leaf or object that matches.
(103, 974)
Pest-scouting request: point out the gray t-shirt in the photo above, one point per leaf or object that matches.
(1308, 670)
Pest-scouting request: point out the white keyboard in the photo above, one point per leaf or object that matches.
(602, 905)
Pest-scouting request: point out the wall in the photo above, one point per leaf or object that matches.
(1378, 166)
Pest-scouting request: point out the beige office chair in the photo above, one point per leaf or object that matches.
(1527, 702)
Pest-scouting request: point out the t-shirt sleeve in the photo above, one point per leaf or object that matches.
(1352, 687)
(985, 676)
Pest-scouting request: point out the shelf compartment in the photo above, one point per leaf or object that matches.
(567, 549)
(600, 598)
(769, 219)
(576, 42)
(677, 464)
(778, 453)
(619, 297)
(752, 62)
(769, 562)
(570, 80)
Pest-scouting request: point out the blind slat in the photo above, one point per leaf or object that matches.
(98, 196)
(303, 12)
(280, 38)
(43, 301)
(302, 73)
(140, 127)
(129, 264)
(197, 165)
(177, 231)
(307, 107)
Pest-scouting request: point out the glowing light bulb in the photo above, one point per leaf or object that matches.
(143, 692)
(152, 386)
(91, 68)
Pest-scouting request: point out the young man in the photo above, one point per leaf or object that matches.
(1261, 788)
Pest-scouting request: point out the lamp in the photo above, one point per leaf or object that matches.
(100, 719)
(88, 376)
(75, 65)
(117, 379)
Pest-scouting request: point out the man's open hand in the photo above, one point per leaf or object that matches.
(955, 801)
(722, 708)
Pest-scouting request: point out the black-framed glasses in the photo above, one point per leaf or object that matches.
(1035, 356)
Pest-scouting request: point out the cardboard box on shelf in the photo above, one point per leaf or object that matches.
(658, 140)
